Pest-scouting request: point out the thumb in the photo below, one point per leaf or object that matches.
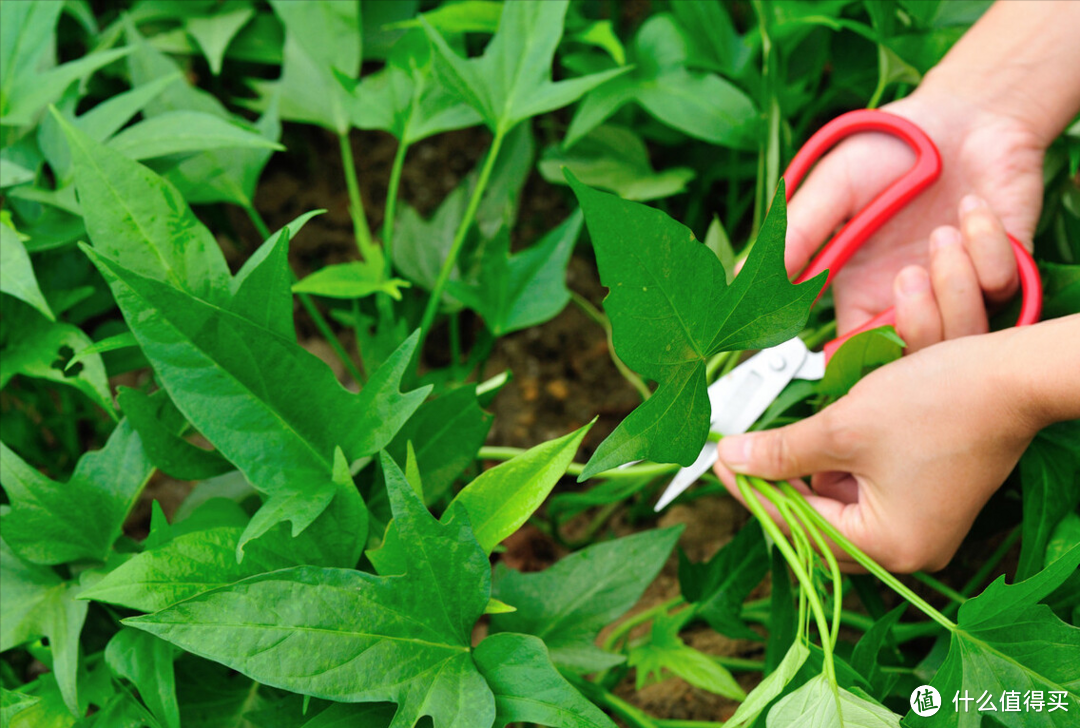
(803, 448)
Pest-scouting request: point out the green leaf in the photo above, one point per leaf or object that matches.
(720, 586)
(125, 340)
(404, 99)
(665, 650)
(858, 356)
(215, 175)
(1006, 640)
(147, 662)
(351, 636)
(134, 215)
(467, 16)
(494, 606)
(529, 689)
(1050, 480)
(33, 92)
(816, 705)
(38, 604)
(42, 350)
(13, 703)
(501, 499)
(671, 308)
(52, 523)
(355, 279)
(568, 604)
(614, 158)
(213, 33)
(446, 434)
(701, 105)
(158, 423)
(261, 289)
(771, 687)
(321, 36)
(182, 132)
(17, 273)
(511, 81)
(299, 425)
(514, 292)
(717, 241)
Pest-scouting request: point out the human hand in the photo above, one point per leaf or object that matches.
(992, 154)
(903, 463)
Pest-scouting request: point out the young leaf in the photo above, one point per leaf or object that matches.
(134, 215)
(213, 33)
(701, 105)
(355, 279)
(816, 705)
(320, 37)
(261, 289)
(445, 433)
(614, 158)
(215, 175)
(512, 80)
(858, 356)
(13, 703)
(665, 650)
(1006, 639)
(720, 586)
(404, 99)
(529, 689)
(17, 274)
(514, 292)
(52, 523)
(671, 309)
(38, 604)
(864, 659)
(183, 132)
(158, 422)
(568, 604)
(770, 687)
(201, 366)
(500, 500)
(351, 636)
(147, 662)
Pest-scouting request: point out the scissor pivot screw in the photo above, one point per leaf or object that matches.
(777, 363)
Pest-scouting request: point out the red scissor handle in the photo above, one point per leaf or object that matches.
(866, 222)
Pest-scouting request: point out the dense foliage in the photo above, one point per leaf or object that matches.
(332, 564)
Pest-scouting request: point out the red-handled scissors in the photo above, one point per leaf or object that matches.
(739, 398)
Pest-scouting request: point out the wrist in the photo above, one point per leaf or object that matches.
(1040, 370)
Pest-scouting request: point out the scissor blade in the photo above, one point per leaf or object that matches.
(688, 475)
(738, 399)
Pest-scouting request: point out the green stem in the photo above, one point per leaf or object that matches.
(650, 470)
(794, 519)
(820, 336)
(624, 627)
(985, 570)
(943, 589)
(865, 561)
(313, 311)
(356, 205)
(459, 239)
(602, 320)
(795, 564)
(391, 205)
(595, 525)
(257, 221)
(713, 365)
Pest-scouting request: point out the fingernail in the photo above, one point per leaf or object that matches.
(943, 237)
(971, 202)
(912, 281)
(735, 452)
